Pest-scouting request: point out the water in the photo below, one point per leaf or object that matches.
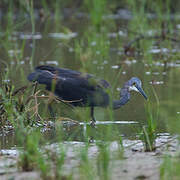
(54, 45)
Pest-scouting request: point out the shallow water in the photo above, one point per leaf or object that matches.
(56, 46)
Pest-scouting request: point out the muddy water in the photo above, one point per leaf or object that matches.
(54, 45)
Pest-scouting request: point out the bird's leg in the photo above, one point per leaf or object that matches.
(35, 87)
(50, 100)
(93, 121)
(51, 111)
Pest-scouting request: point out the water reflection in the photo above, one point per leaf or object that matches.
(63, 35)
(80, 132)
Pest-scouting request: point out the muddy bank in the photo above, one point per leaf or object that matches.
(133, 164)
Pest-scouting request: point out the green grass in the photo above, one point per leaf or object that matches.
(91, 52)
(170, 168)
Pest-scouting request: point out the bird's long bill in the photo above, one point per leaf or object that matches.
(141, 92)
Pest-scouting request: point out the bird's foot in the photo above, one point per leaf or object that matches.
(91, 140)
(93, 123)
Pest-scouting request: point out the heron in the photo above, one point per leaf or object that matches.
(83, 89)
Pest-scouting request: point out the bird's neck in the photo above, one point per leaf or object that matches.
(124, 98)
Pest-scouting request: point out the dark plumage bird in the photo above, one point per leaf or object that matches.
(82, 89)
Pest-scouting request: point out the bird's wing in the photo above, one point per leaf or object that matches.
(76, 82)
(75, 77)
(83, 88)
(58, 71)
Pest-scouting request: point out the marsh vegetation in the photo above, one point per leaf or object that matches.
(114, 41)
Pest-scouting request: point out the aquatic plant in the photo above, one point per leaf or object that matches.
(149, 133)
(30, 155)
(107, 46)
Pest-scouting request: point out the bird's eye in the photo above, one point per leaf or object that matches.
(134, 84)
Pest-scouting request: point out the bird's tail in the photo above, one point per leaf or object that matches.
(42, 77)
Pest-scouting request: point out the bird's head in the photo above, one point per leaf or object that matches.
(135, 84)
